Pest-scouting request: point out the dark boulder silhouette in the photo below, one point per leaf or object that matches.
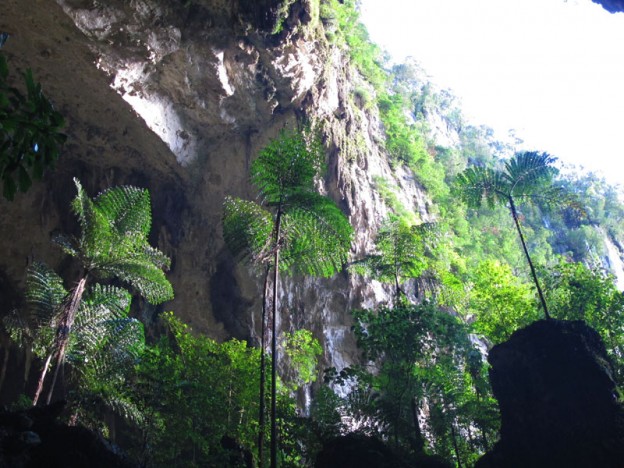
(558, 399)
(360, 451)
(612, 6)
(34, 438)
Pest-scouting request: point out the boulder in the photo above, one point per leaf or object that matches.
(558, 399)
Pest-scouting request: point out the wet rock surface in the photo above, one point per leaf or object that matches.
(558, 400)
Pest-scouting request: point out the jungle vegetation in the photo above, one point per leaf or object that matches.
(458, 286)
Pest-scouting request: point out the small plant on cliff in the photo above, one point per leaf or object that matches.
(30, 137)
(112, 245)
(295, 229)
(403, 252)
(526, 176)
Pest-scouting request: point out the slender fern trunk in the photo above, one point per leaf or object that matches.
(514, 214)
(62, 338)
(262, 370)
(419, 440)
(455, 446)
(278, 225)
(5, 364)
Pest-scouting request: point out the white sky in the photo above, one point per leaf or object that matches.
(553, 70)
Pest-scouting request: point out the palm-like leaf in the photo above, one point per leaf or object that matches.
(527, 172)
(481, 183)
(317, 235)
(523, 176)
(95, 233)
(127, 208)
(113, 241)
(288, 164)
(148, 280)
(104, 347)
(102, 304)
(247, 229)
(527, 175)
(45, 293)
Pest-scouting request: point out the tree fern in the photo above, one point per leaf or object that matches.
(526, 176)
(403, 251)
(293, 229)
(113, 241)
(113, 244)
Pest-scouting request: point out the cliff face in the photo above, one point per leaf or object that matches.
(179, 97)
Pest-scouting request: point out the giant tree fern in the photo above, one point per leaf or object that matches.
(113, 243)
(293, 229)
(102, 348)
(525, 176)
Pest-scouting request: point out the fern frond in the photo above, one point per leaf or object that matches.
(288, 163)
(156, 257)
(127, 208)
(17, 328)
(317, 236)
(478, 183)
(525, 172)
(148, 280)
(101, 304)
(65, 243)
(96, 235)
(45, 293)
(247, 230)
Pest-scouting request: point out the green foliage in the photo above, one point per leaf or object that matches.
(425, 359)
(388, 193)
(282, 15)
(201, 391)
(247, 228)
(194, 391)
(343, 27)
(405, 144)
(404, 252)
(297, 230)
(577, 292)
(113, 240)
(315, 236)
(102, 349)
(525, 175)
(30, 133)
(302, 351)
(325, 415)
(500, 302)
(89, 325)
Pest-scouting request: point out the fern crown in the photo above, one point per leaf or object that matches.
(113, 242)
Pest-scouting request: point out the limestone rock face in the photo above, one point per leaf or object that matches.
(557, 398)
(179, 97)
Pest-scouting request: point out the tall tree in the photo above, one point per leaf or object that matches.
(294, 229)
(112, 244)
(525, 176)
(404, 251)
